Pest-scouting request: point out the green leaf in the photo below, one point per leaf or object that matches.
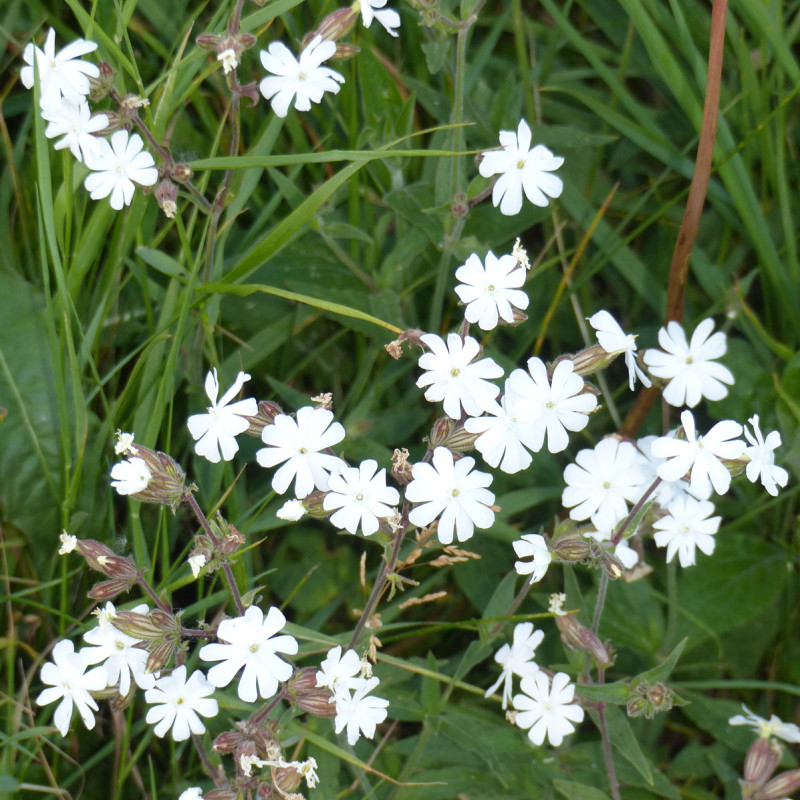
(660, 673)
(626, 743)
(578, 791)
(431, 688)
(615, 693)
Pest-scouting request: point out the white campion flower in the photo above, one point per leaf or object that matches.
(62, 73)
(130, 476)
(339, 671)
(192, 793)
(358, 711)
(615, 341)
(177, 702)
(69, 682)
(787, 731)
(666, 491)
(251, 644)
(534, 556)
(291, 511)
(376, 9)
(453, 490)
(555, 405)
(68, 543)
(215, 431)
(453, 377)
(547, 711)
(700, 455)
(761, 453)
(521, 168)
(298, 443)
(75, 123)
(687, 525)
(602, 482)
(689, 366)
(360, 496)
(490, 290)
(516, 659)
(117, 166)
(304, 80)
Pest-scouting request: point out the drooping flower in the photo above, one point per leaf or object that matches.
(787, 731)
(375, 9)
(534, 547)
(555, 406)
(339, 671)
(75, 123)
(299, 443)
(68, 681)
(614, 341)
(689, 366)
(130, 476)
(454, 377)
(687, 525)
(490, 290)
(361, 496)
(358, 711)
(250, 644)
(521, 169)
(453, 490)
(304, 80)
(761, 453)
(177, 702)
(547, 711)
(516, 659)
(215, 431)
(117, 166)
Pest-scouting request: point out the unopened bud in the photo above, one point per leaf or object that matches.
(612, 566)
(589, 360)
(579, 637)
(571, 549)
(335, 26)
(208, 41)
(287, 779)
(518, 318)
(314, 505)
(782, 785)
(100, 86)
(115, 123)
(401, 469)
(761, 761)
(181, 172)
(452, 435)
(647, 700)
(102, 558)
(303, 692)
(267, 411)
(105, 590)
(161, 655)
(344, 51)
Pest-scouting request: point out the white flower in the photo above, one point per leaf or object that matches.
(291, 511)
(216, 431)
(124, 445)
(453, 376)
(374, 9)
(305, 79)
(601, 481)
(502, 432)
(547, 711)
(62, 73)
(299, 443)
(787, 731)
(118, 652)
(75, 123)
(130, 476)
(686, 526)
(68, 681)
(362, 496)
(117, 166)
(516, 659)
(521, 169)
(534, 547)
(762, 458)
(701, 455)
(339, 671)
(192, 793)
(177, 703)
(689, 366)
(666, 491)
(489, 291)
(229, 60)
(452, 490)
(68, 543)
(251, 643)
(358, 711)
(614, 341)
(555, 407)
(196, 563)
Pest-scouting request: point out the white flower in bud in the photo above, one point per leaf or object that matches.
(197, 563)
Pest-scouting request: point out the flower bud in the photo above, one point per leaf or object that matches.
(335, 26)
(452, 435)
(105, 590)
(589, 360)
(783, 785)
(167, 482)
(286, 779)
(518, 319)
(221, 794)
(613, 567)
(647, 700)
(303, 692)
(227, 742)
(572, 549)
(99, 87)
(181, 173)
(161, 655)
(313, 504)
(579, 637)
(761, 761)
(344, 51)
(267, 411)
(145, 627)
(208, 41)
(103, 559)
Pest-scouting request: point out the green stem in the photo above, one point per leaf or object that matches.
(601, 601)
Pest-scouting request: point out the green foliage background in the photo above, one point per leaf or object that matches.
(110, 321)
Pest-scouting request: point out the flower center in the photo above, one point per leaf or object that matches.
(360, 497)
(550, 404)
(490, 288)
(455, 371)
(455, 492)
(607, 485)
(302, 76)
(180, 701)
(254, 647)
(690, 359)
(302, 450)
(521, 163)
(119, 645)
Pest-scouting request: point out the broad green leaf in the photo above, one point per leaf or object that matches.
(578, 791)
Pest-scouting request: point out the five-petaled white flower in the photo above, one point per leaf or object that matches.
(358, 711)
(701, 455)
(68, 681)
(547, 711)
(556, 405)
(453, 490)
(299, 443)
(615, 341)
(251, 643)
(761, 453)
(454, 377)
(62, 73)
(534, 547)
(516, 659)
(304, 80)
(787, 731)
(521, 168)
(117, 166)
(687, 525)
(177, 702)
(361, 496)
(339, 671)
(689, 366)
(130, 476)
(216, 431)
(489, 291)
(75, 123)
(601, 481)
(375, 9)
